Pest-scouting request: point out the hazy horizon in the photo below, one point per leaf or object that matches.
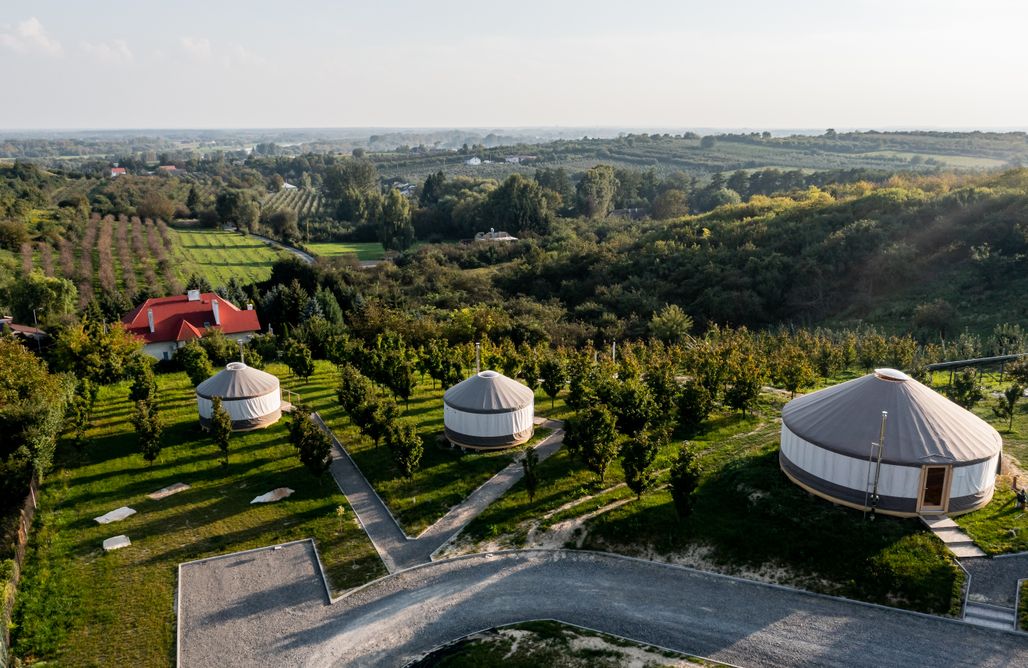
(455, 64)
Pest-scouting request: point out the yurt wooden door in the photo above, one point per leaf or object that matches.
(934, 489)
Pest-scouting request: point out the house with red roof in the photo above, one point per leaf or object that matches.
(118, 171)
(167, 323)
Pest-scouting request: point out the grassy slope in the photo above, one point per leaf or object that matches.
(751, 516)
(87, 608)
(363, 251)
(219, 255)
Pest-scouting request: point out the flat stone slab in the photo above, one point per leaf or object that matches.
(165, 492)
(965, 550)
(115, 515)
(538, 421)
(116, 543)
(274, 495)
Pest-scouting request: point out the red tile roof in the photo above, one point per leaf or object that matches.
(118, 170)
(178, 319)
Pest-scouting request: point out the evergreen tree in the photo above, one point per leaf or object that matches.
(554, 375)
(195, 362)
(144, 385)
(684, 480)
(965, 391)
(406, 447)
(220, 428)
(297, 357)
(591, 434)
(1006, 404)
(637, 456)
(149, 426)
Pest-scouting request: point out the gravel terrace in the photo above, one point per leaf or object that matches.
(269, 607)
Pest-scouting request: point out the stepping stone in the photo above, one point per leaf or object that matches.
(965, 550)
(168, 491)
(116, 543)
(274, 495)
(538, 421)
(115, 515)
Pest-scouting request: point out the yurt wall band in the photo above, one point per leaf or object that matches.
(488, 411)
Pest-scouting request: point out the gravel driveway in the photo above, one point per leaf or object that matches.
(248, 611)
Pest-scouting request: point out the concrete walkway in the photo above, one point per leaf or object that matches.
(394, 546)
(269, 607)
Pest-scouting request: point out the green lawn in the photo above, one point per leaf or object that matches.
(447, 475)
(219, 256)
(363, 251)
(78, 606)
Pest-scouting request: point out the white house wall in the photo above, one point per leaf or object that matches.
(488, 424)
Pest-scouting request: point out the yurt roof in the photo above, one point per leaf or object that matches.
(237, 381)
(923, 427)
(488, 392)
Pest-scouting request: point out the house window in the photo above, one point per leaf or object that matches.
(167, 356)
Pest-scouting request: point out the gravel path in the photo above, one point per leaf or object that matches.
(306, 257)
(394, 546)
(995, 580)
(260, 614)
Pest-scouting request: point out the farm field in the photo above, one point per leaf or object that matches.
(219, 256)
(127, 255)
(303, 201)
(363, 251)
(79, 606)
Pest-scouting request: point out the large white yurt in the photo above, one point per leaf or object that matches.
(937, 457)
(251, 396)
(488, 411)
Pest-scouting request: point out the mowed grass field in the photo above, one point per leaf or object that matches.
(79, 606)
(219, 256)
(363, 251)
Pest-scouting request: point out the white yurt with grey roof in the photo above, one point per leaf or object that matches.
(252, 397)
(488, 411)
(937, 457)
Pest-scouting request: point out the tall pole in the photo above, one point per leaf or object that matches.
(878, 464)
(478, 358)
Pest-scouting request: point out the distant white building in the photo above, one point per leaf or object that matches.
(473, 161)
(288, 186)
(493, 235)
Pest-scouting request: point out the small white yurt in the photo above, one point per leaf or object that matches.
(251, 396)
(937, 457)
(488, 412)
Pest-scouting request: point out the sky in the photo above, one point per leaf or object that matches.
(454, 63)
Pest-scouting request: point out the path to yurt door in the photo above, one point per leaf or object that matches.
(934, 489)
